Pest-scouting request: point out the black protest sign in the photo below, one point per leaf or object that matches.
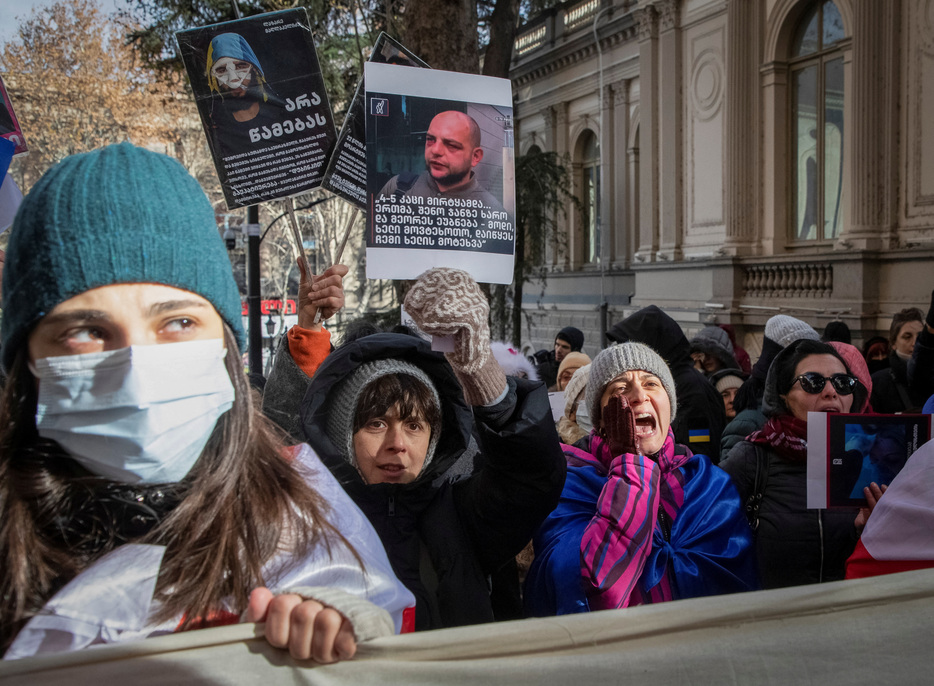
(346, 172)
(263, 105)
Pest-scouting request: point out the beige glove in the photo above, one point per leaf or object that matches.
(448, 302)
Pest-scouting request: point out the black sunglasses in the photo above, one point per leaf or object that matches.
(813, 383)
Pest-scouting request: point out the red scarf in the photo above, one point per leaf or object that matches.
(786, 435)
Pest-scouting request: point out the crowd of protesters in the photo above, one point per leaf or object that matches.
(378, 487)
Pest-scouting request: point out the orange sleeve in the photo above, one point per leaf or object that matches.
(309, 348)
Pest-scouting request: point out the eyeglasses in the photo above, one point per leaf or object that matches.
(813, 383)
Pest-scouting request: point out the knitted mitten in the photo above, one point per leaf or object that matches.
(448, 302)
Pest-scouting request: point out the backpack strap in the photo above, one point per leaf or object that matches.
(404, 183)
(909, 407)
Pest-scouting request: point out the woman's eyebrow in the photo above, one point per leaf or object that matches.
(172, 305)
(73, 316)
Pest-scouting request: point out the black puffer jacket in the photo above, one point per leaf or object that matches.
(445, 538)
(794, 545)
(700, 407)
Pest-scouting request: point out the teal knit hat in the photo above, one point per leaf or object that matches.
(120, 214)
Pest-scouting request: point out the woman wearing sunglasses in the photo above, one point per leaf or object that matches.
(795, 545)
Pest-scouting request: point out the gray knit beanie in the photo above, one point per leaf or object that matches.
(120, 214)
(343, 403)
(621, 358)
(785, 330)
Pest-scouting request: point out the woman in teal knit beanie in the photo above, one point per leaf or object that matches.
(141, 490)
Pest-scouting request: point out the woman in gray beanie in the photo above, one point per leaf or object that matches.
(641, 519)
(395, 421)
(141, 491)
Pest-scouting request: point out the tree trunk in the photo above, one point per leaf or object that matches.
(518, 279)
(498, 53)
(443, 33)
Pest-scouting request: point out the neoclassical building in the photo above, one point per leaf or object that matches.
(734, 159)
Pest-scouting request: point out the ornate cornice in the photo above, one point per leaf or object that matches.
(561, 110)
(669, 14)
(647, 20)
(620, 93)
(550, 116)
(548, 63)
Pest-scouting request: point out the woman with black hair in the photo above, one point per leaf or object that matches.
(795, 545)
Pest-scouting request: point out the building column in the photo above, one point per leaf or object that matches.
(742, 173)
(619, 190)
(873, 125)
(608, 200)
(563, 256)
(647, 19)
(670, 134)
(549, 114)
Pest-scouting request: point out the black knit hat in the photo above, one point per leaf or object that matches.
(574, 337)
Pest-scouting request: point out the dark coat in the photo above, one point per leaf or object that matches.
(700, 407)
(547, 368)
(444, 538)
(794, 545)
(743, 424)
(891, 386)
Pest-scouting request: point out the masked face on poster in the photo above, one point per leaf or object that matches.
(233, 76)
(236, 74)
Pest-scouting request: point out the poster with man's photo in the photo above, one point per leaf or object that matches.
(847, 452)
(9, 125)
(346, 172)
(440, 173)
(261, 97)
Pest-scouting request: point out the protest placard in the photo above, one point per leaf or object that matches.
(9, 125)
(440, 174)
(847, 452)
(263, 105)
(346, 171)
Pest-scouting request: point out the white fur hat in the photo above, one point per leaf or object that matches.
(512, 361)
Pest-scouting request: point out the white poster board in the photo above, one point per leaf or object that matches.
(440, 173)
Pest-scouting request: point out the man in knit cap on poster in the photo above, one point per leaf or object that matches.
(641, 520)
(568, 340)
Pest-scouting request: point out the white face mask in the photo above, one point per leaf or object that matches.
(583, 416)
(139, 414)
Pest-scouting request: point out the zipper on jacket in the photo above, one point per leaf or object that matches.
(665, 524)
(820, 530)
(392, 505)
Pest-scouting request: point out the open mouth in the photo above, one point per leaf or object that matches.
(645, 424)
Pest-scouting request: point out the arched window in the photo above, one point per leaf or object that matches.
(590, 196)
(816, 66)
